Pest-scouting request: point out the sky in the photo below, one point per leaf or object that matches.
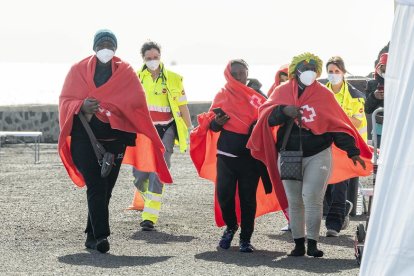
(197, 32)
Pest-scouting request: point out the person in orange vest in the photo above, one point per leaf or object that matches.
(352, 102)
(167, 104)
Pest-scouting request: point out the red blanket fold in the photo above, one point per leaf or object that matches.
(240, 103)
(321, 114)
(122, 104)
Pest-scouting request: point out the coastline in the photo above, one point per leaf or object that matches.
(45, 117)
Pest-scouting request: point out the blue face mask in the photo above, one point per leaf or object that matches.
(335, 78)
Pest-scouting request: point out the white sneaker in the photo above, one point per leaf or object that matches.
(286, 228)
(346, 223)
(332, 233)
(346, 220)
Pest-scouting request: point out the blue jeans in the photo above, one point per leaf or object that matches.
(335, 205)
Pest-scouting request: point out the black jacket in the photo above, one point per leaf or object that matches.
(235, 143)
(355, 93)
(311, 143)
(373, 103)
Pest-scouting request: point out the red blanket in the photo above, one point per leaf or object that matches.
(321, 114)
(122, 104)
(283, 68)
(241, 104)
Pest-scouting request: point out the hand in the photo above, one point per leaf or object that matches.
(90, 106)
(221, 119)
(254, 84)
(292, 111)
(379, 94)
(358, 159)
(190, 128)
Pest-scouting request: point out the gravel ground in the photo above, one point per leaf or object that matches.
(43, 217)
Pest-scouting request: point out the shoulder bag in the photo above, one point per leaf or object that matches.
(291, 161)
(105, 158)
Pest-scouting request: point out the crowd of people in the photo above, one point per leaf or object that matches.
(139, 116)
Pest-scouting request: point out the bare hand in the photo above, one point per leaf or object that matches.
(379, 94)
(358, 159)
(292, 111)
(221, 119)
(90, 106)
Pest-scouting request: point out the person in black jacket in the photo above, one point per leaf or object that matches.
(237, 170)
(384, 50)
(305, 197)
(375, 94)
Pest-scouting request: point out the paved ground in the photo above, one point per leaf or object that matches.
(43, 216)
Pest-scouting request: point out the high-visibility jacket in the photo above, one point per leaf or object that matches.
(165, 95)
(352, 102)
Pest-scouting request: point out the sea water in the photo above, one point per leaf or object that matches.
(41, 83)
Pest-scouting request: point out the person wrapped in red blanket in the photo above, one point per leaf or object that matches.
(333, 150)
(108, 93)
(218, 150)
(280, 77)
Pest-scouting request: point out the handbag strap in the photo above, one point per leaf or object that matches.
(97, 147)
(288, 131)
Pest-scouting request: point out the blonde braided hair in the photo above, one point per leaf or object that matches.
(307, 58)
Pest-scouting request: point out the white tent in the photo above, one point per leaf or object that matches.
(389, 248)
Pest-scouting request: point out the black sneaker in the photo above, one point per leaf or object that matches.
(227, 237)
(90, 241)
(246, 247)
(147, 225)
(102, 245)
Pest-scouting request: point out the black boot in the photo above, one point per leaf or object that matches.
(90, 241)
(299, 249)
(313, 249)
(227, 237)
(246, 246)
(102, 245)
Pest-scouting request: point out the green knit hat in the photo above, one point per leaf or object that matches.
(104, 35)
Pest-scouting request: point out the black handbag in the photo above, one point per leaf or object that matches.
(290, 160)
(105, 159)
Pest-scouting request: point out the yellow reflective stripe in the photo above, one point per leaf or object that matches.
(151, 211)
(362, 130)
(153, 197)
(163, 122)
(359, 115)
(182, 98)
(159, 108)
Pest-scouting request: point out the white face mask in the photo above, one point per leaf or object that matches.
(307, 77)
(105, 55)
(152, 64)
(335, 78)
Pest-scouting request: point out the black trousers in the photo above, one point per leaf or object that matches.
(242, 173)
(335, 205)
(99, 190)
